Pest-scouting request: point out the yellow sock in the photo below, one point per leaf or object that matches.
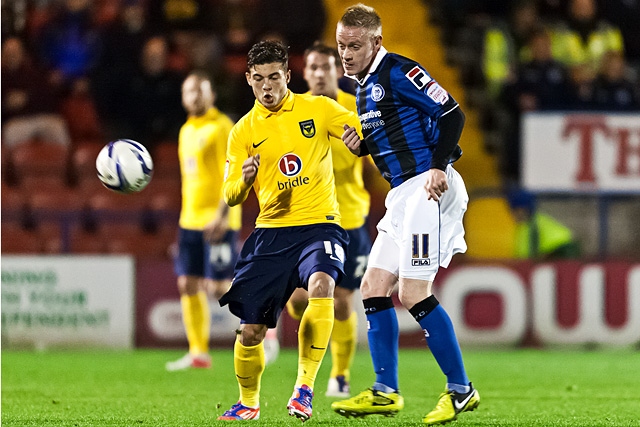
(292, 312)
(197, 321)
(313, 338)
(248, 363)
(343, 345)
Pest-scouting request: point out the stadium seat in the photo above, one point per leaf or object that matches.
(54, 212)
(140, 245)
(83, 241)
(111, 211)
(83, 159)
(18, 240)
(40, 160)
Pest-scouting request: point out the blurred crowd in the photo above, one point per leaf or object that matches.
(77, 70)
(517, 56)
(103, 69)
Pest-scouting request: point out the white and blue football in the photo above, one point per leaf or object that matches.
(124, 166)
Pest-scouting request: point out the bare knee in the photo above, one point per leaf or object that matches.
(189, 285)
(217, 288)
(321, 285)
(251, 334)
(377, 283)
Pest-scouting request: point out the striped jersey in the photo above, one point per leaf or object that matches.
(295, 183)
(399, 105)
(201, 149)
(353, 198)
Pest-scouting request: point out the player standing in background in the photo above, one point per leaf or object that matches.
(411, 128)
(321, 72)
(281, 148)
(208, 233)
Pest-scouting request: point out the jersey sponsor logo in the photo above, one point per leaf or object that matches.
(371, 114)
(259, 143)
(437, 93)
(377, 92)
(371, 119)
(418, 77)
(308, 128)
(290, 165)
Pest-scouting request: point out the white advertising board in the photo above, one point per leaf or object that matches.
(67, 301)
(581, 152)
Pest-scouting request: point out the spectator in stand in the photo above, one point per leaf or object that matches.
(542, 83)
(29, 101)
(123, 40)
(625, 14)
(583, 40)
(193, 27)
(70, 44)
(539, 236)
(152, 108)
(300, 22)
(505, 45)
(611, 89)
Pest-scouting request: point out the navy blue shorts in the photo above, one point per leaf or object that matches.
(356, 263)
(198, 258)
(275, 261)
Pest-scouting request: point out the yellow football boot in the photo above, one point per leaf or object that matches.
(450, 404)
(370, 402)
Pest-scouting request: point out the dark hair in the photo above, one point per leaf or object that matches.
(268, 52)
(362, 16)
(323, 49)
(202, 75)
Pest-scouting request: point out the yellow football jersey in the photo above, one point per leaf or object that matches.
(295, 183)
(202, 148)
(353, 198)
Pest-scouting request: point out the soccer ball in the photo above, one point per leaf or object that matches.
(124, 166)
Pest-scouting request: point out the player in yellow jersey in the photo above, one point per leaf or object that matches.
(321, 72)
(208, 232)
(281, 148)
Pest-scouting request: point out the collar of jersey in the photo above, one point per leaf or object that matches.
(211, 114)
(374, 66)
(285, 105)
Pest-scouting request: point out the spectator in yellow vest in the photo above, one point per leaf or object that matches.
(539, 236)
(583, 39)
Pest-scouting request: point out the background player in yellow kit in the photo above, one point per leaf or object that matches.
(321, 72)
(281, 148)
(208, 232)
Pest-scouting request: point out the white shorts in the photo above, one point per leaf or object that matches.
(416, 235)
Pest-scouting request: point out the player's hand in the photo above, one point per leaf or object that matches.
(250, 169)
(351, 139)
(436, 184)
(214, 231)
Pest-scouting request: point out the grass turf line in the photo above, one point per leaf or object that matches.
(517, 388)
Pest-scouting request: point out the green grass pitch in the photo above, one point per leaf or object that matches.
(517, 388)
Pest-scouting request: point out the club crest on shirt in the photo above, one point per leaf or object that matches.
(377, 92)
(418, 77)
(308, 128)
